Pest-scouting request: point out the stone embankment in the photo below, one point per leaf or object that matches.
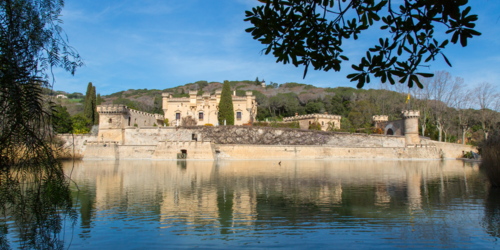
(241, 142)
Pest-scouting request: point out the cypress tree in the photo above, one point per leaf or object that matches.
(226, 111)
(95, 115)
(99, 100)
(87, 111)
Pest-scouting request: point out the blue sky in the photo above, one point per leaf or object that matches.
(158, 44)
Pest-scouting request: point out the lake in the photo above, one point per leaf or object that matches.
(346, 204)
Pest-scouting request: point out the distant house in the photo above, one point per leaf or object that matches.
(61, 96)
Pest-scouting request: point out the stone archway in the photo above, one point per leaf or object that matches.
(389, 129)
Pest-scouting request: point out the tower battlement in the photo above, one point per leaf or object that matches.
(410, 114)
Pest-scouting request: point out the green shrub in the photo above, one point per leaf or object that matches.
(166, 122)
(315, 126)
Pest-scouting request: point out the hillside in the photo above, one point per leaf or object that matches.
(356, 106)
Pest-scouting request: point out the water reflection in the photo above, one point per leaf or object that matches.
(432, 203)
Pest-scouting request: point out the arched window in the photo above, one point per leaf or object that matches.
(309, 122)
(129, 121)
(323, 123)
(110, 120)
(390, 132)
(200, 116)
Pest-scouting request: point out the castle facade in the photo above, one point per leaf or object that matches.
(205, 108)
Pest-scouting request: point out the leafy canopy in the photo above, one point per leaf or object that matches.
(311, 32)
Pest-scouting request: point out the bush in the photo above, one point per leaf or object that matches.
(166, 122)
(154, 124)
(315, 126)
(209, 125)
(135, 125)
(491, 158)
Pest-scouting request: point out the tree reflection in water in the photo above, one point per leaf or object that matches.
(492, 212)
(35, 201)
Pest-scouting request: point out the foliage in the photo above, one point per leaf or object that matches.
(490, 152)
(99, 100)
(90, 110)
(135, 125)
(34, 192)
(166, 122)
(315, 126)
(61, 120)
(94, 107)
(226, 111)
(81, 125)
(208, 125)
(300, 32)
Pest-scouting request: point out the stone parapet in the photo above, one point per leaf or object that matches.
(380, 118)
(312, 116)
(146, 114)
(112, 108)
(178, 99)
(410, 114)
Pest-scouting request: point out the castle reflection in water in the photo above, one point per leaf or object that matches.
(238, 193)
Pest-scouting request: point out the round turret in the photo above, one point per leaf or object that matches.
(410, 118)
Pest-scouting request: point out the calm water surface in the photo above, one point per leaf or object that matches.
(300, 204)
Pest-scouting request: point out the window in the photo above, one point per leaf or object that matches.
(309, 122)
(200, 116)
(323, 123)
(238, 116)
(110, 120)
(178, 116)
(129, 121)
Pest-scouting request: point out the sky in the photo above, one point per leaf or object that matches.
(159, 44)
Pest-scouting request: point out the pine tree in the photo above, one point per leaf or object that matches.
(87, 111)
(257, 82)
(226, 111)
(95, 115)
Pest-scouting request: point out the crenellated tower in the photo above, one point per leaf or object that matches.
(410, 121)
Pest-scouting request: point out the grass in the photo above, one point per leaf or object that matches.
(491, 158)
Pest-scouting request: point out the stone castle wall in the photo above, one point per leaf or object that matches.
(75, 145)
(241, 142)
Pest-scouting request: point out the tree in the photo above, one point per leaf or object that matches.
(81, 125)
(88, 103)
(226, 111)
(463, 103)
(99, 100)
(61, 120)
(95, 115)
(312, 32)
(485, 95)
(257, 82)
(34, 191)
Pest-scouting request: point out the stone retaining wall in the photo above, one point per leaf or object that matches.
(267, 152)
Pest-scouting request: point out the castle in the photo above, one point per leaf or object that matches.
(125, 133)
